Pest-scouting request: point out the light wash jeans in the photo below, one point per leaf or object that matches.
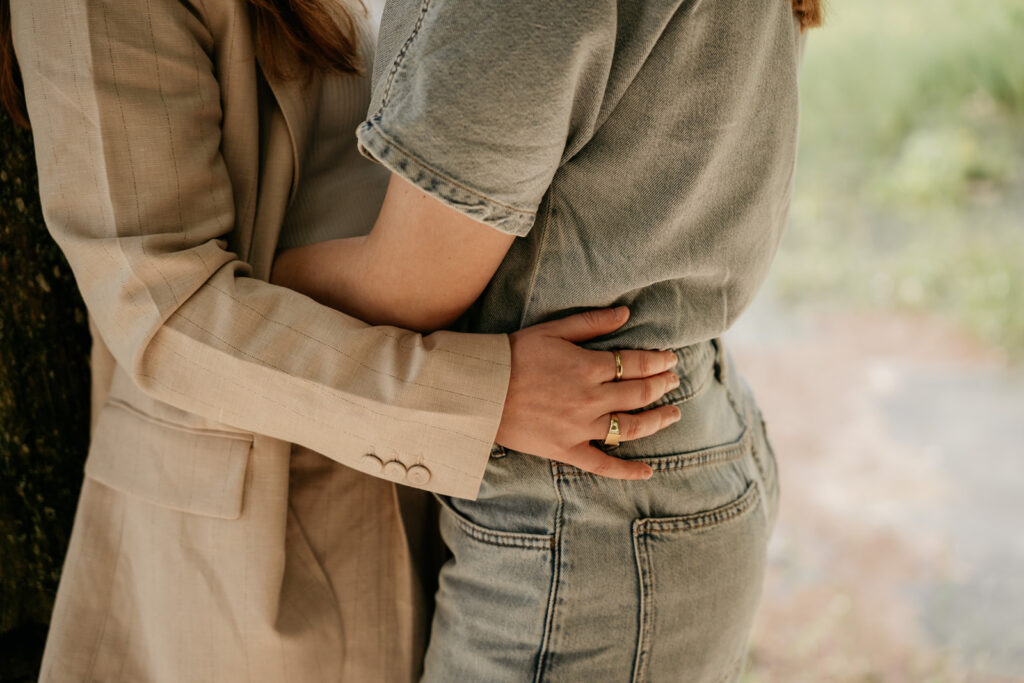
(558, 575)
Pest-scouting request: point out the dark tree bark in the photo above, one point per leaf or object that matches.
(44, 408)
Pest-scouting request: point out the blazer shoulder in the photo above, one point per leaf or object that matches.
(223, 19)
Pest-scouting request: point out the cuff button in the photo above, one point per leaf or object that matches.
(371, 463)
(394, 470)
(418, 474)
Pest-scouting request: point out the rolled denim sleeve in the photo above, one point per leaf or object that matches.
(479, 103)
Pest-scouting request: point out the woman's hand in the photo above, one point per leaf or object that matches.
(561, 396)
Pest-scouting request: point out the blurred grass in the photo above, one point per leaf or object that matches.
(910, 182)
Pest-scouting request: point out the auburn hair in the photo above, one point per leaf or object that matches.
(808, 12)
(293, 38)
(321, 39)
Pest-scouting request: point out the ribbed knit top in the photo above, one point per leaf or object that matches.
(340, 192)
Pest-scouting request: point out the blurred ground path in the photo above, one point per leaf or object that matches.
(899, 553)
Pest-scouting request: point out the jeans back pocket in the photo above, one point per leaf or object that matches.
(700, 581)
(492, 602)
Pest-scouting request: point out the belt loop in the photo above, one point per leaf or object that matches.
(720, 371)
(719, 359)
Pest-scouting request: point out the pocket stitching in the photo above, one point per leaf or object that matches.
(701, 520)
(688, 459)
(509, 539)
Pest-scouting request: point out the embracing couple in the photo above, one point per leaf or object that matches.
(406, 345)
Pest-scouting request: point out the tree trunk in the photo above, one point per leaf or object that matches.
(44, 408)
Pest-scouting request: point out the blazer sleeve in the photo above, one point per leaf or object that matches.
(126, 114)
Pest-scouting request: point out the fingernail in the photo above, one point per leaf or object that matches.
(678, 416)
(674, 381)
(649, 473)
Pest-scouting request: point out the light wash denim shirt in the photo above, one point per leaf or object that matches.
(643, 152)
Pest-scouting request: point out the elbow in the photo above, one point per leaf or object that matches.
(416, 306)
(425, 310)
(425, 319)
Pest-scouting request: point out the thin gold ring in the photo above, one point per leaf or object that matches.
(618, 366)
(613, 432)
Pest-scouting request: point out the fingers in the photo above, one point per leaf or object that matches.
(635, 393)
(638, 425)
(595, 461)
(636, 364)
(587, 325)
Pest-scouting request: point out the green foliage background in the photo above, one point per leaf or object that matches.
(910, 184)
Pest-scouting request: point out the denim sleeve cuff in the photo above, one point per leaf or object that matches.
(377, 145)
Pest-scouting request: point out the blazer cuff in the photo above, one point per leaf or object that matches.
(455, 464)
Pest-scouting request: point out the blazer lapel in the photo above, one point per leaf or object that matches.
(297, 99)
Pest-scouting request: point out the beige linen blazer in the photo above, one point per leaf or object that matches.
(167, 159)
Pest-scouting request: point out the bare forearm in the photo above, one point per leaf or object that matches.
(420, 267)
(331, 273)
(353, 276)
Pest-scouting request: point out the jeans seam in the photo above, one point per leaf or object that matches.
(544, 653)
(646, 614)
(754, 451)
(771, 486)
(737, 669)
(723, 378)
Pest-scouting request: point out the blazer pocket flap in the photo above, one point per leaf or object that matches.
(191, 470)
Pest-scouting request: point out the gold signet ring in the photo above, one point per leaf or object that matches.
(618, 366)
(613, 432)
